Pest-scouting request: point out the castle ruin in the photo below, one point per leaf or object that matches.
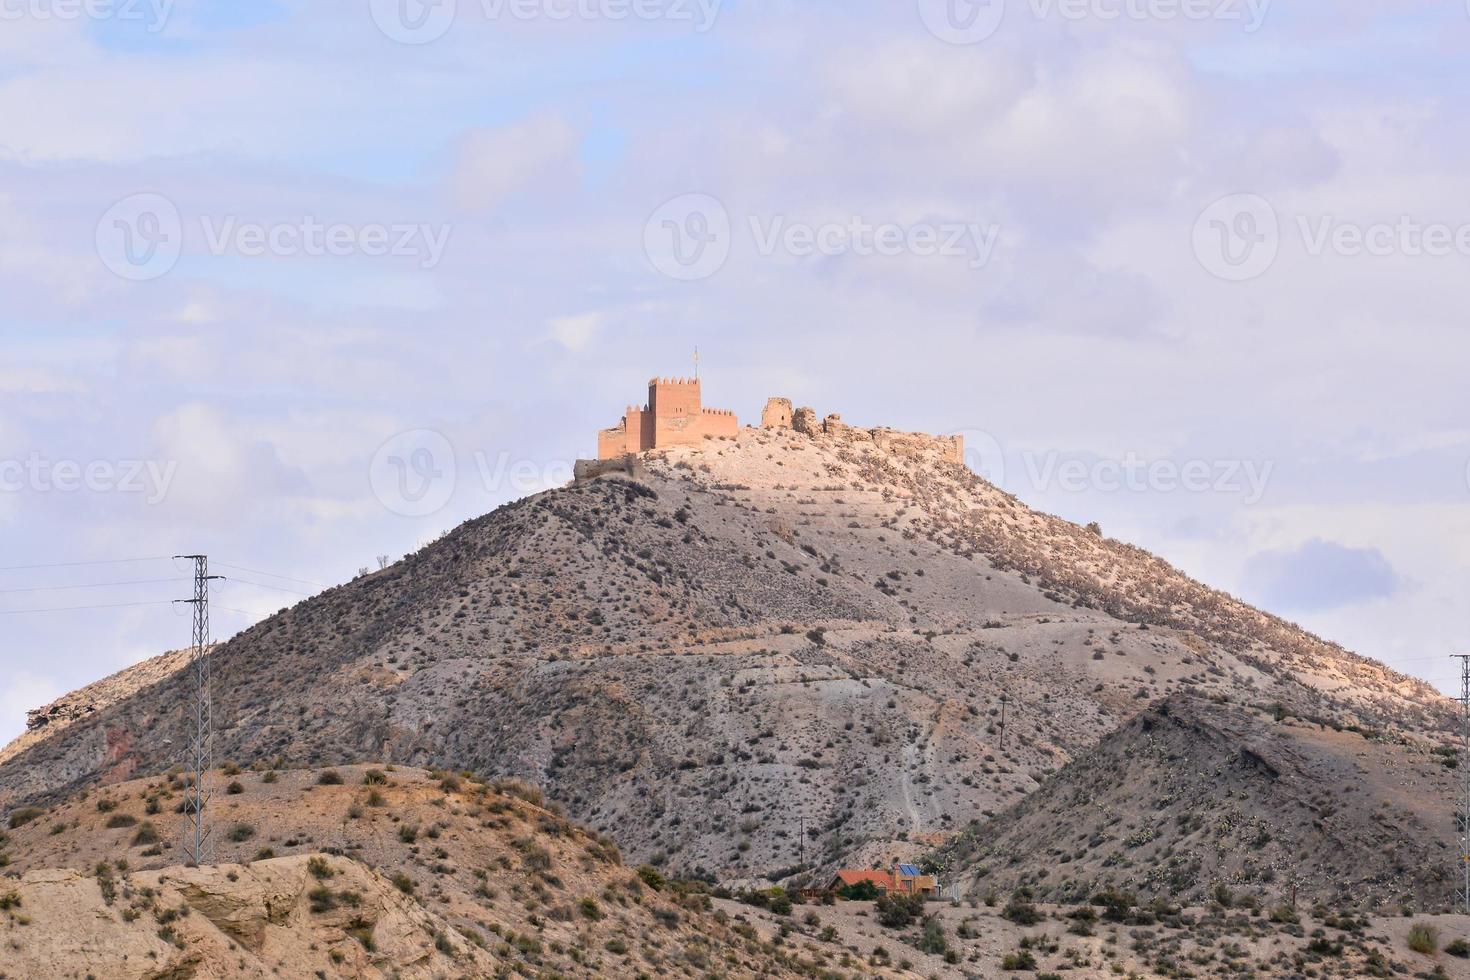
(675, 416)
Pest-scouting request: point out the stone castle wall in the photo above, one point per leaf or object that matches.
(674, 416)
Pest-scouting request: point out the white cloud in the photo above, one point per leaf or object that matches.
(492, 164)
(575, 332)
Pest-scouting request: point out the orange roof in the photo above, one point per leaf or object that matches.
(880, 878)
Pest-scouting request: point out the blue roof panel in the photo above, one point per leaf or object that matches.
(908, 870)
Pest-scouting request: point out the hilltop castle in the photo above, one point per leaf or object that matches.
(673, 416)
(676, 416)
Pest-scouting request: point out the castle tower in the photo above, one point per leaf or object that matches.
(674, 416)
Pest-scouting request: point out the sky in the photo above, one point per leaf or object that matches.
(302, 284)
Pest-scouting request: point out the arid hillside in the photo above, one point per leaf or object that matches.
(838, 631)
(1192, 799)
(353, 872)
(363, 871)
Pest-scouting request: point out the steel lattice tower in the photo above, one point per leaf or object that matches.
(198, 842)
(1463, 817)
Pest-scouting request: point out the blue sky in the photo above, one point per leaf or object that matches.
(1130, 266)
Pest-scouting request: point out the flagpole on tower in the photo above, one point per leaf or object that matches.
(696, 364)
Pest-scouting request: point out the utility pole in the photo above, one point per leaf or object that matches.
(1464, 816)
(198, 844)
(801, 843)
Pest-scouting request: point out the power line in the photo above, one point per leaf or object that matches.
(79, 564)
(256, 571)
(262, 585)
(111, 605)
(92, 585)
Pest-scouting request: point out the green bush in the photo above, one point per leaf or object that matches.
(1458, 948)
(1020, 911)
(863, 891)
(322, 899)
(1423, 938)
(898, 911)
(1018, 961)
(933, 940)
(24, 816)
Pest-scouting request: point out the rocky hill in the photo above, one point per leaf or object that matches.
(353, 872)
(707, 649)
(1193, 799)
(362, 871)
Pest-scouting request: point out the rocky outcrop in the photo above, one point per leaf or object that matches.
(805, 421)
(229, 920)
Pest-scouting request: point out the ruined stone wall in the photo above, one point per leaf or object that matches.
(777, 414)
(805, 420)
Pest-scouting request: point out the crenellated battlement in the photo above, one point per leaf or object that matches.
(673, 416)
